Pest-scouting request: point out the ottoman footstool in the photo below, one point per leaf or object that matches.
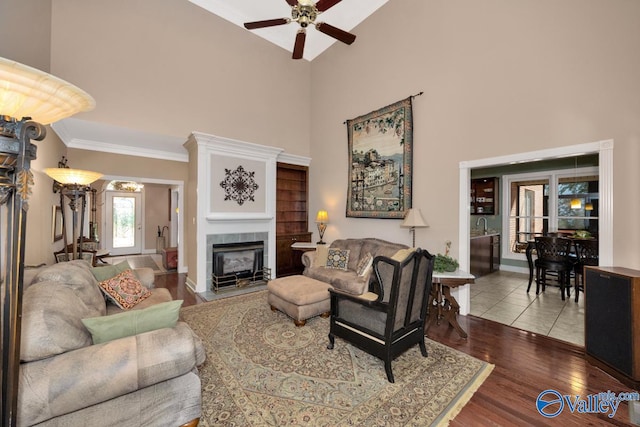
(299, 297)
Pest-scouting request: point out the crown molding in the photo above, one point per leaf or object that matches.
(105, 147)
(105, 138)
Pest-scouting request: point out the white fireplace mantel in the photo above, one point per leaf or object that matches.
(211, 159)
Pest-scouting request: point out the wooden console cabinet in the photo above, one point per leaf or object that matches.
(612, 321)
(292, 217)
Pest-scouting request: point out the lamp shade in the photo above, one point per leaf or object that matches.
(28, 92)
(73, 176)
(576, 203)
(414, 218)
(322, 217)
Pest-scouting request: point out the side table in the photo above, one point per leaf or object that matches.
(442, 305)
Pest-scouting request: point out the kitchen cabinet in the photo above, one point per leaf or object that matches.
(484, 254)
(484, 196)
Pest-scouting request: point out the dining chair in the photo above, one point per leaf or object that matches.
(394, 322)
(586, 254)
(553, 256)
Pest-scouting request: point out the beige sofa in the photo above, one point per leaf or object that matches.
(146, 379)
(348, 279)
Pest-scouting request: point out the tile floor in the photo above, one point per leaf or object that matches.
(502, 297)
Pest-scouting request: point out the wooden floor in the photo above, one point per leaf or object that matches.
(525, 365)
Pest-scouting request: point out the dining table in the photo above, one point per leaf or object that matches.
(531, 245)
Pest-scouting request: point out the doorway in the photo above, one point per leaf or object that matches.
(604, 149)
(123, 233)
(149, 224)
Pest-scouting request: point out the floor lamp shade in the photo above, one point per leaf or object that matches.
(28, 92)
(68, 176)
(414, 219)
(29, 99)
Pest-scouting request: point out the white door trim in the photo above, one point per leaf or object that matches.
(138, 226)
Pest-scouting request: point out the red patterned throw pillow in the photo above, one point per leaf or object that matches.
(125, 290)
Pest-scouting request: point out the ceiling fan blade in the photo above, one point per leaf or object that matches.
(336, 33)
(298, 48)
(323, 5)
(267, 23)
(292, 3)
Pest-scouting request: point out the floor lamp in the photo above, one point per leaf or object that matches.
(29, 99)
(74, 184)
(413, 219)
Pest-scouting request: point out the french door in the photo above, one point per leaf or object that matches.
(123, 231)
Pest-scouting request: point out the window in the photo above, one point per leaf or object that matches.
(540, 203)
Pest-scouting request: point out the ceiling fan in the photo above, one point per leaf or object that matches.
(305, 12)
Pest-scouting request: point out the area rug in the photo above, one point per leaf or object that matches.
(262, 370)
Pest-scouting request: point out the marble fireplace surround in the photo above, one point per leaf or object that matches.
(222, 220)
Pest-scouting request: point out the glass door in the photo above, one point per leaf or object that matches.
(124, 223)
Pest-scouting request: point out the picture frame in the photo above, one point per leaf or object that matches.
(381, 162)
(57, 228)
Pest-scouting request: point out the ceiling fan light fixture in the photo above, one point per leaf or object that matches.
(305, 12)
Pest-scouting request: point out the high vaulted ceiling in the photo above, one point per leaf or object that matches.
(345, 15)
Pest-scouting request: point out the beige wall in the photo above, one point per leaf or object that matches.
(25, 29)
(127, 166)
(171, 68)
(156, 214)
(39, 243)
(499, 77)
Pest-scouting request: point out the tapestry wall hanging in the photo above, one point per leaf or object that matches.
(380, 162)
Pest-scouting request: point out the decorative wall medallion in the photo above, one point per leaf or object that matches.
(239, 185)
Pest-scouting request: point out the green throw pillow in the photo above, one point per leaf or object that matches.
(106, 272)
(129, 323)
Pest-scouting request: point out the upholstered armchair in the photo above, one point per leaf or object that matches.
(392, 323)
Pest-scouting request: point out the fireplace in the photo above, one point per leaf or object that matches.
(238, 265)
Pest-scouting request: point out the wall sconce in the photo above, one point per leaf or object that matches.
(413, 219)
(322, 218)
(29, 99)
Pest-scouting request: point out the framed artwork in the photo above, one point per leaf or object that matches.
(56, 224)
(380, 162)
(237, 187)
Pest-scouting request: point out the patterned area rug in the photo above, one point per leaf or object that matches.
(261, 370)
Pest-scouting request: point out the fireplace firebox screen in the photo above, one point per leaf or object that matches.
(238, 265)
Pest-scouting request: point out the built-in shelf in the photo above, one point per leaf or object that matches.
(292, 216)
(484, 196)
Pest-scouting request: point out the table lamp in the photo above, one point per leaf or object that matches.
(322, 218)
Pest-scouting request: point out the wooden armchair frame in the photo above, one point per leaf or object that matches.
(394, 322)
